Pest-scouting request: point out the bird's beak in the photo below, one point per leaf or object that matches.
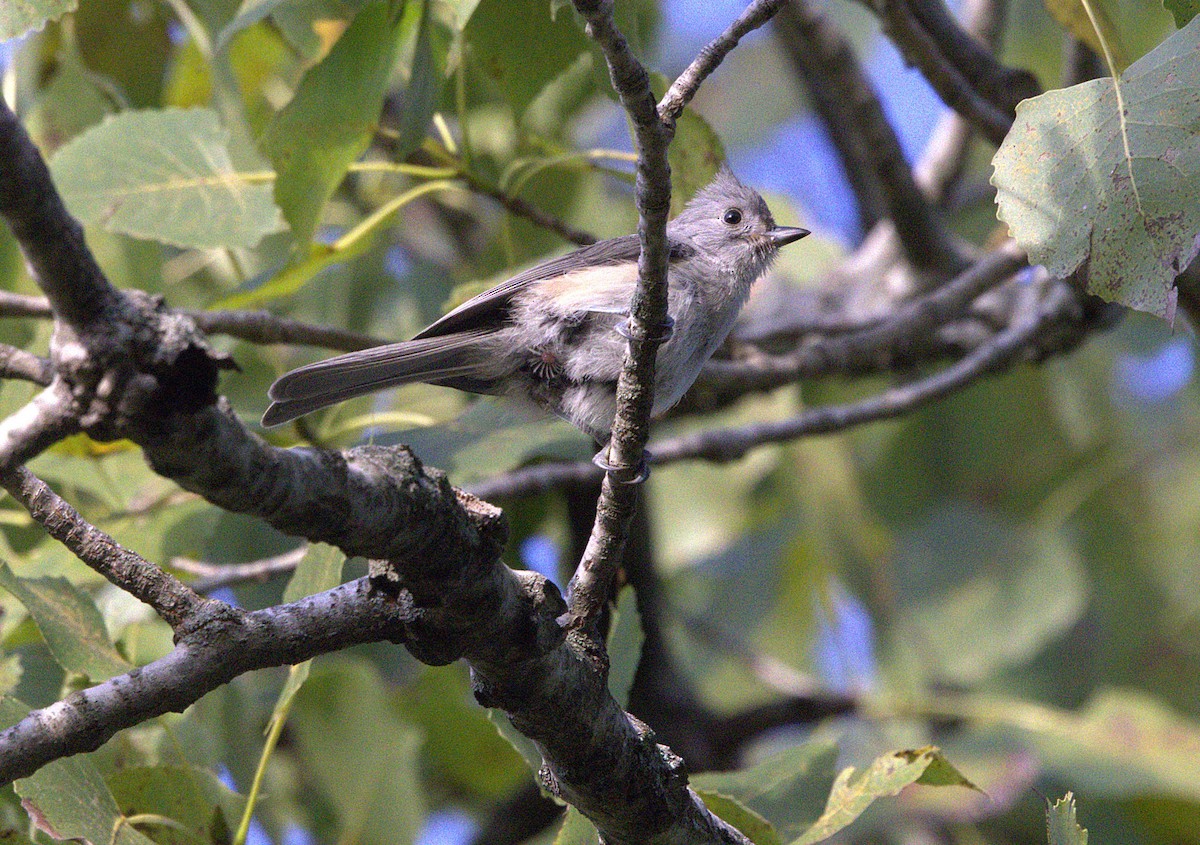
(784, 235)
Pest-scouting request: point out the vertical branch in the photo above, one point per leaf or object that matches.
(590, 587)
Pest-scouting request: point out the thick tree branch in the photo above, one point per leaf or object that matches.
(229, 645)
(37, 426)
(51, 239)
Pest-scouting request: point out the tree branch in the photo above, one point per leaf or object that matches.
(253, 326)
(591, 586)
(871, 155)
(967, 77)
(171, 599)
(16, 363)
(685, 86)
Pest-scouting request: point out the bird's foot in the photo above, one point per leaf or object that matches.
(622, 475)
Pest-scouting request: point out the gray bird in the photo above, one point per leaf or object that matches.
(552, 335)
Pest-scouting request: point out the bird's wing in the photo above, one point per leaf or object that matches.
(483, 310)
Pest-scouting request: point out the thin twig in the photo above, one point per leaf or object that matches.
(17, 363)
(267, 328)
(213, 576)
(171, 599)
(529, 211)
(878, 344)
(253, 326)
(685, 86)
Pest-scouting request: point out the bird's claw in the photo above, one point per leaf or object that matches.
(641, 472)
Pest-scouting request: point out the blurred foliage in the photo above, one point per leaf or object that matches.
(1010, 576)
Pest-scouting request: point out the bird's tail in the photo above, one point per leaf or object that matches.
(323, 383)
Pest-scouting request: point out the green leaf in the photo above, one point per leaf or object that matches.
(463, 9)
(1183, 10)
(576, 829)
(1072, 197)
(1073, 17)
(753, 826)
(789, 789)
(625, 640)
(362, 755)
(334, 113)
(854, 791)
(1124, 743)
(501, 38)
(320, 569)
(68, 799)
(458, 734)
(969, 572)
(248, 14)
(167, 176)
(1061, 826)
(694, 155)
(18, 17)
(70, 623)
(521, 743)
(199, 807)
(10, 673)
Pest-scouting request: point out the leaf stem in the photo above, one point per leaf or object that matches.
(1116, 78)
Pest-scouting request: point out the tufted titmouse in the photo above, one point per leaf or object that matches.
(552, 335)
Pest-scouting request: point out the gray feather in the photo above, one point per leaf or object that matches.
(432, 360)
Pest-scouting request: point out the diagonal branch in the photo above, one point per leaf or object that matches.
(871, 155)
(685, 86)
(171, 599)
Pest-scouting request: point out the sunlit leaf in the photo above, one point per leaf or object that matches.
(165, 175)
(334, 113)
(1061, 825)
(1072, 196)
(18, 17)
(458, 734)
(70, 623)
(363, 756)
(576, 830)
(500, 39)
(854, 790)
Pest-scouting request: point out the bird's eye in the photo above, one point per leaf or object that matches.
(733, 216)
